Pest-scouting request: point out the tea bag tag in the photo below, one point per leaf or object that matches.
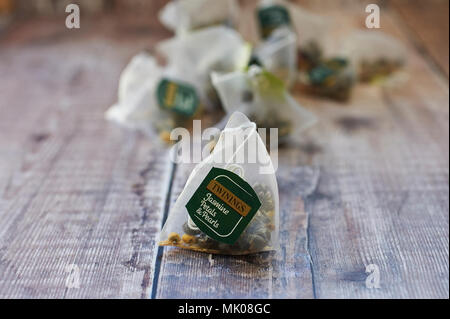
(223, 205)
(178, 97)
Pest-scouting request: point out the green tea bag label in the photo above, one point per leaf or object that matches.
(223, 205)
(178, 97)
(272, 17)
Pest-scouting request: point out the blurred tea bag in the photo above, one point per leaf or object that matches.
(219, 49)
(292, 39)
(272, 15)
(374, 55)
(332, 78)
(152, 98)
(264, 99)
(182, 16)
(278, 54)
(230, 202)
(311, 29)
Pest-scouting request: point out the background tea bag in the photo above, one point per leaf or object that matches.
(138, 106)
(182, 16)
(211, 49)
(374, 55)
(278, 54)
(264, 99)
(262, 232)
(311, 30)
(331, 78)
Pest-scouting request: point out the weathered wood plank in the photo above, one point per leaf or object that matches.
(368, 185)
(377, 194)
(428, 21)
(382, 197)
(74, 189)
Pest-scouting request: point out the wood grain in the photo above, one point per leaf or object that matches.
(367, 185)
(73, 188)
(428, 22)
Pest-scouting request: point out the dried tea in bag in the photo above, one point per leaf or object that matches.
(374, 55)
(229, 204)
(155, 97)
(211, 49)
(183, 16)
(311, 29)
(264, 99)
(332, 78)
(278, 54)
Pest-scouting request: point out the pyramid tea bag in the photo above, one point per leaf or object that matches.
(155, 97)
(374, 55)
(332, 78)
(211, 49)
(309, 28)
(278, 54)
(264, 99)
(183, 16)
(272, 15)
(229, 204)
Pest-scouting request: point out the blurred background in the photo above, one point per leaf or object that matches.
(372, 174)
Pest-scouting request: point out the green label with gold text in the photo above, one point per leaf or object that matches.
(271, 18)
(223, 205)
(176, 96)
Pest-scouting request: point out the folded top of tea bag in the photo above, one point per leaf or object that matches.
(183, 16)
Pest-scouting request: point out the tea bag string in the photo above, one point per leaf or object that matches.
(237, 169)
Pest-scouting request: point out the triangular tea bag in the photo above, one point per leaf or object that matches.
(158, 98)
(229, 204)
(278, 54)
(375, 56)
(183, 16)
(264, 99)
(219, 49)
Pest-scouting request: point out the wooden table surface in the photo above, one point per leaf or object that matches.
(368, 185)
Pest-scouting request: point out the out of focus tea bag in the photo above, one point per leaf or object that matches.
(332, 78)
(219, 49)
(278, 54)
(182, 16)
(155, 98)
(272, 15)
(292, 39)
(229, 204)
(374, 55)
(264, 99)
(311, 30)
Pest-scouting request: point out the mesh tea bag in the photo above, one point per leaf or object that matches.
(229, 204)
(278, 54)
(264, 99)
(311, 29)
(183, 16)
(151, 96)
(374, 55)
(272, 15)
(332, 78)
(211, 49)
